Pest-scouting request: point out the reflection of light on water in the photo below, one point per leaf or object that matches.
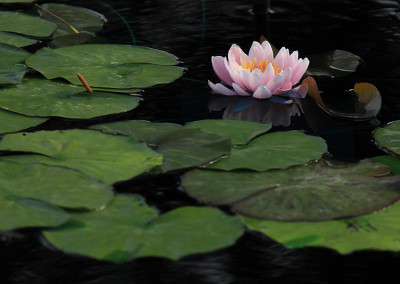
(250, 109)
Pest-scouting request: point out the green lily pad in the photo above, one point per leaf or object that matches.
(388, 137)
(181, 147)
(56, 185)
(304, 193)
(70, 39)
(80, 18)
(106, 157)
(13, 122)
(390, 161)
(20, 213)
(276, 150)
(107, 65)
(16, 40)
(377, 231)
(230, 128)
(129, 229)
(12, 67)
(52, 98)
(21, 23)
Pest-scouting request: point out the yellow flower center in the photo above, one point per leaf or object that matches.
(251, 65)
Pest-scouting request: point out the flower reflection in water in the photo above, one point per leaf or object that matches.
(250, 109)
(259, 74)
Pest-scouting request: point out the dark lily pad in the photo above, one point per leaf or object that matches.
(390, 161)
(249, 130)
(107, 65)
(21, 23)
(12, 67)
(16, 40)
(305, 193)
(16, 1)
(368, 100)
(20, 213)
(388, 137)
(377, 231)
(70, 39)
(80, 18)
(52, 98)
(181, 147)
(335, 63)
(276, 150)
(56, 185)
(12, 122)
(129, 229)
(106, 157)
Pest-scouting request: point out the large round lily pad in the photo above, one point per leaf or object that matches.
(12, 67)
(388, 137)
(12, 122)
(377, 231)
(241, 132)
(80, 18)
(16, 40)
(272, 151)
(106, 157)
(41, 97)
(56, 185)
(182, 147)
(313, 193)
(21, 23)
(19, 213)
(107, 65)
(129, 229)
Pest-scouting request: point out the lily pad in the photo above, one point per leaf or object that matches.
(16, 1)
(70, 39)
(52, 98)
(107, 65)
(21, 23)
(56, 185)
(388, 137)
(368, 100)
(276, 150)
(12, 122)
(249, 130)
(304, 193)
(16, 40)
(12, 67)
(80, 18)
(377, 231)
(181, 147)
(335, 63)
(129, 229)
(20, 213)
(106, 157)
(390, 161)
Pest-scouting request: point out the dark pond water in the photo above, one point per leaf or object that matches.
(195, 30)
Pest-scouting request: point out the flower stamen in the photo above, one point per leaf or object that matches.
(251, 65)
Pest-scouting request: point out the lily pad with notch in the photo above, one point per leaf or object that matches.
(107, 65)
(181, 147)
(314, 192)
(107, 158)
(388, 137)
(12, 67)
(59, 186)
(53, 98)
(20, 23)
(129, 229)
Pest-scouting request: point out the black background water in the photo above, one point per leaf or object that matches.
(195, 30)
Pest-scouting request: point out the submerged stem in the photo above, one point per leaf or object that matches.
(57, 17)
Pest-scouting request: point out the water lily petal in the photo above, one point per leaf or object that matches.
(268, 73)
(234, 54)
(256, 79)
(287, 75)
(221, 89)
(292, 59)
(256, 51)
(275, 83)
(262, 93)
(302, 90)
(286, 87)
(280, 58)
(234, 73)
(221, 70)
(269, 54)
(239, 90)
(299, 69)
(245, 76)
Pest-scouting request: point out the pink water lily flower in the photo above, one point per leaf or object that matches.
(259, 74)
